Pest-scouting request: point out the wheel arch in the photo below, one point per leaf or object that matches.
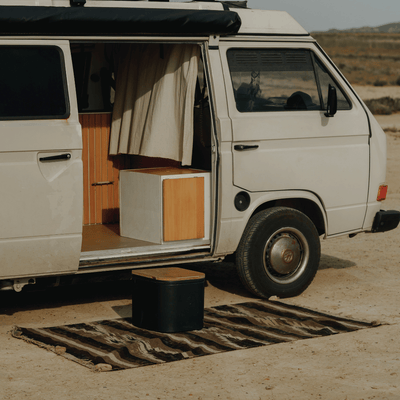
(232, 228)
(307, 206)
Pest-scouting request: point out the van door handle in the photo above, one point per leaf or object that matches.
(242, 147)
(59, 157)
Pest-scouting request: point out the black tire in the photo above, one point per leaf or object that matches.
(279, 253)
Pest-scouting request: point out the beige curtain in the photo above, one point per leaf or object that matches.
(154, 101)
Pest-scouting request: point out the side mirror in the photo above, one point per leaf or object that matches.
(331, 108)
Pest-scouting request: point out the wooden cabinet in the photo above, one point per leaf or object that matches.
(162, 205)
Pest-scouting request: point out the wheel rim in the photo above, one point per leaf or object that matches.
(286, 255)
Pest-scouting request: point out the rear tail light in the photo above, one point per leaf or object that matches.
(382, 192)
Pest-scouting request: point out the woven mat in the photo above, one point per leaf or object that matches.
(117, 344)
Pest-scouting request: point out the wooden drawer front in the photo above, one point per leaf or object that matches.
(183, 209)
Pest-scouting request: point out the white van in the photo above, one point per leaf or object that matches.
(136, 134)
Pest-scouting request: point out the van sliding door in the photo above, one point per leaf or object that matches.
(40, 160)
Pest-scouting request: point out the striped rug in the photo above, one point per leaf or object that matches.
(117, 344)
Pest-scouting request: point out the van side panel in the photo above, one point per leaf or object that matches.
(377, 170)
(232, 229)
(41, 180)
(334, 169)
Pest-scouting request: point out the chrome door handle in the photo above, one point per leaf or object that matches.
(242, 147)
(59, 157)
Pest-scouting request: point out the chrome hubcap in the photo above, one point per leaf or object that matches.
(286, 255)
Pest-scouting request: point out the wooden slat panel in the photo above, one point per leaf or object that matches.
(104, 178)
(100, 204)
(98, 162)
(85, 161)
(92, 170)
(183, 209)
(113, 214)
(116, 167)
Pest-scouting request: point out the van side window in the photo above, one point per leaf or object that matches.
(273, 80)
(94, 76)
(32, 83)
(325, 80)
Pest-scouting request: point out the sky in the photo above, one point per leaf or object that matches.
(322, 15)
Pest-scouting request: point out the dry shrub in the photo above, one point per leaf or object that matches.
(379, 109)
(383, 106)
(380, 82)
(391, 130)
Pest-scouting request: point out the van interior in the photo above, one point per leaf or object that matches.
(166, 201)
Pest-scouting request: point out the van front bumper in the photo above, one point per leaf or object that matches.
(386, 221)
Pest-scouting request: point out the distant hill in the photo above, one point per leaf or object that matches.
(387, 28)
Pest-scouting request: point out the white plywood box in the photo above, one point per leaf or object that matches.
(158, 213)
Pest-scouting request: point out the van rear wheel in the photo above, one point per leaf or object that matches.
(279, 253)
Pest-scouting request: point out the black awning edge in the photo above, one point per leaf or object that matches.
(99, 21)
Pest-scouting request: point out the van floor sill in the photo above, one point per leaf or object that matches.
(151, 250)
(103, 242)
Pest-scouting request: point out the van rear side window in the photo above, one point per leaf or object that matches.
(32, 83)
(276, 80)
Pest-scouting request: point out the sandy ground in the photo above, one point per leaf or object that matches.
(358, 278)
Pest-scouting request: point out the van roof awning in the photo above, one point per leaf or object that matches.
(104, 21)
